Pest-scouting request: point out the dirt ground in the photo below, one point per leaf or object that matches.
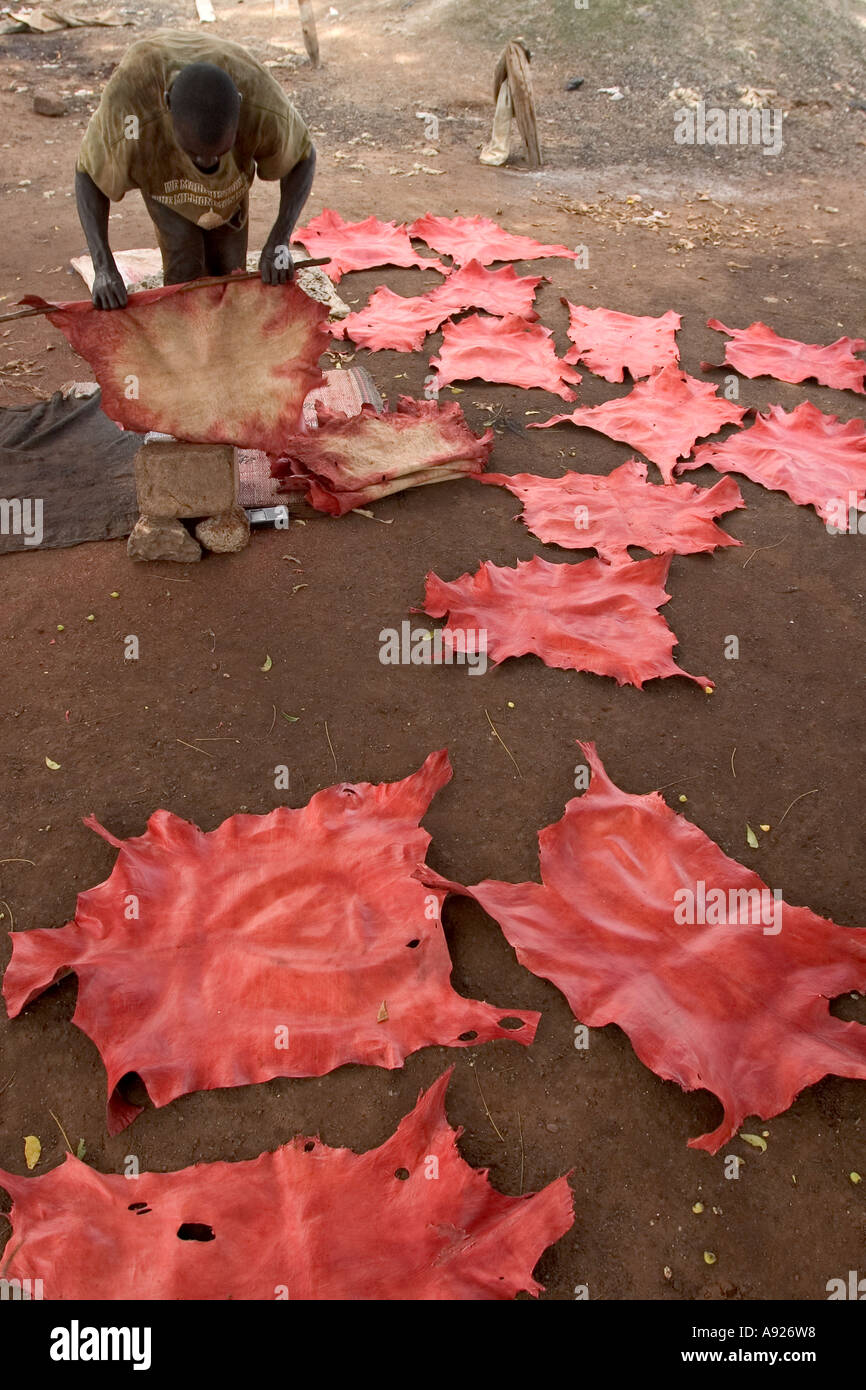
(739, 236)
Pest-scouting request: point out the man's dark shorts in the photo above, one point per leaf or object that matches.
(189, 252)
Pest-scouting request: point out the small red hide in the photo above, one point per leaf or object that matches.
(586, 617)
(278, 945)
(610, 343)
(759, 351)
(218, 364)
(508, 350)
(480, 239)
(351, 461)
(584, 511)
(409, 1220)
(662, 417)
(359, 245)
(392, 321)
(818, 460)
(643, 921)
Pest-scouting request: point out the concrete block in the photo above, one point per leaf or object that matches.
(186, 480)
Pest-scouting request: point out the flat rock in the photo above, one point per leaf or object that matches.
(162, 538)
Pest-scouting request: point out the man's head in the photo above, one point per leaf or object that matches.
(205, 107)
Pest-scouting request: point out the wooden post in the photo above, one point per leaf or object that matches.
(308, 24)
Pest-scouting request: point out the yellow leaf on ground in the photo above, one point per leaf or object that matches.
(32, 1150)
(756, 1141)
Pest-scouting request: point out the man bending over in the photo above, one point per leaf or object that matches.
(190, 120)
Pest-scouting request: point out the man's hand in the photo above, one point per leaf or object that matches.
(276, 263)
(109, 291)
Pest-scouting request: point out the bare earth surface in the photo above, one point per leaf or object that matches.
(742, 236)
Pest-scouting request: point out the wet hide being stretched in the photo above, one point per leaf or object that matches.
(215, 364)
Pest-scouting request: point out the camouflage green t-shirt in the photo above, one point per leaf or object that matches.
(130, 140)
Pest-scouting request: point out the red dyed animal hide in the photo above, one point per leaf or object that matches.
(220, 364)
(509, 350)
(610, 344)
(393, 321)
(480, 239)
(390, 320)
(267, 947)
(359, 245)
(818, 460)
(759, 351)
(734, 1004)
(351, 461)
(586, 617)
(662, 417)
(584, 511)
(409, 1220)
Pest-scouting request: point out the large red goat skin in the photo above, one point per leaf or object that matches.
(586, 617)
(611, 344)
(268, 947)
(351, 461)
(738, 1006)
(508, 350)
(585, 511)
(359, 245)
(390, 320)
(408, 1220)
(759, 351)
(818, 460)
(662, 417)
(219, 364)
(480, 239)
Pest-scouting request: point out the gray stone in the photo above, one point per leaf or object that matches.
(226, 533)
(162, 538)
(47, 104)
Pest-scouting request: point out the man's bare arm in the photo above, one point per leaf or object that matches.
(276, 262)
(109, 291)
